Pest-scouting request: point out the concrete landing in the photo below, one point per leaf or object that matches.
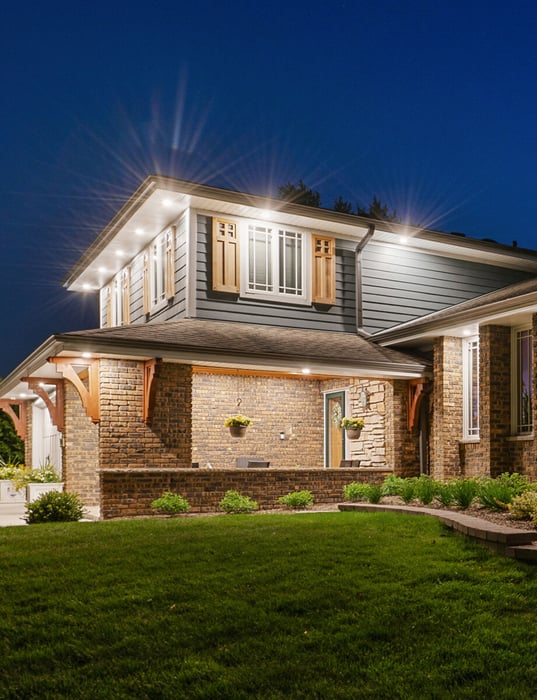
(508, 541)
(14, 514)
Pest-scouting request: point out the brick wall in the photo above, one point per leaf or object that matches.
(446, 431)
(275, 404)
(125, 440)
(80, 449)
(129, 492)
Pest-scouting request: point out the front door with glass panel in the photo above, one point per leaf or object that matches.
(334, 435)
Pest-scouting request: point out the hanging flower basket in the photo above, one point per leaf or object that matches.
(353, 427)
(237, 425)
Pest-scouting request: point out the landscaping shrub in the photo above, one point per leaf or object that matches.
(444, 493)
(392, 485)
(374, 493)
(297, 500)
(495, 494)
(425, 489)
(171, 503)
(464, 492)
(355, 491)
(408, 490)
(54, 506)
(234, 502)
(524, 507)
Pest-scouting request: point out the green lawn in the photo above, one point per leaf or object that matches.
(330, 605)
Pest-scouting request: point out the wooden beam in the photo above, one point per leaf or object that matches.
(19, 421)
(89, 394)
(55, 409)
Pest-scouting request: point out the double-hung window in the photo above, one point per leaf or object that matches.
(159, 282)
(157, 270)
(470, 349)
(522, 346)
(276, 262)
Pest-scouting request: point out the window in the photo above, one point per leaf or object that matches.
(275, 262)
(159, 282)
(120, 299)
(470, 371)
(522, 381)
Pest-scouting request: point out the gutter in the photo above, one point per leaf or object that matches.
(358, 280)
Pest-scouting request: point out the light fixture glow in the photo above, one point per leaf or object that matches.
(139, 231)
(86, 286)
(266, 214)
(306, 370)
(85, 355)
(466, 332)
(166, 202)
(102, 269)
(403, 240)
(119, 253)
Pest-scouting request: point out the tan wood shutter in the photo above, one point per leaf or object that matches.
(147, 288)
(107, 298)
(126, 296)
(324, 270)
(169, 270)
(226, 267)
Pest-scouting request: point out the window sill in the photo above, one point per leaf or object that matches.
(520, 438)
(470, 440)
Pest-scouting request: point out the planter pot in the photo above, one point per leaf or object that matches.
(9, 494)
(353, 434)
(237, 430)
(35, 490)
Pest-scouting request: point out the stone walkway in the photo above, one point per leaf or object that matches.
(508, 541)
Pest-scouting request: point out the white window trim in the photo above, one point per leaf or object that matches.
(116, 299)
(159, 244)
(276, 296)
(514, 383)
(469, 433)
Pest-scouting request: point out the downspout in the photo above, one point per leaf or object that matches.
(358, 279)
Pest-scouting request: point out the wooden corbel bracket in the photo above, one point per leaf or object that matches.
(417, 389)
(89, 394)
(150, 384)
(19, 421)
(56, 408)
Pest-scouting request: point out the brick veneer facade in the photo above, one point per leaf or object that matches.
(80, 457)
(129, 492)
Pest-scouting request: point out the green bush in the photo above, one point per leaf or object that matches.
(391, 486)
(425, 489)
(495, 494)
(444, 493)
(355, 491)
(234, 502)
(171, 503)
(374, 493)
(524, 507)
(297, 500)
(518, 483)
(54, 506)
(408, 490)
(464, 492)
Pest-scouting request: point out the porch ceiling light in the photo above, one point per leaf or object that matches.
(166, 202)
(86, 355)
(403, 240)
(306, 370)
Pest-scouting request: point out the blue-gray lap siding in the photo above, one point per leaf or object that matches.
(398, 285)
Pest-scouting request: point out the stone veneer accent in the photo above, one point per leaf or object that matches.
(80, 457)
(275, 404)
(129, 492)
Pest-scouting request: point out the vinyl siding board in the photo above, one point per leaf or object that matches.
(399, 285)
(232, 307)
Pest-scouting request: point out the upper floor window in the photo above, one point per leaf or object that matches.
(275, 262)
(159, 279)
(115, 300)
(522, 381)
(470, 349)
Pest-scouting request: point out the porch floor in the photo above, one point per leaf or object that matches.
(14, 513)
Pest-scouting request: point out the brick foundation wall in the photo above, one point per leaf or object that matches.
(129, 492)
(125, 440)
(80, 455)
(275, 404)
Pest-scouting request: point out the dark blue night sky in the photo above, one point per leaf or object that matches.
(430, 106)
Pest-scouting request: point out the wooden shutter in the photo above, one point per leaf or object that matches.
(226, 266)
(126, 296)
(146, 283)
(107, 306)
(324, 270)
(169, 270)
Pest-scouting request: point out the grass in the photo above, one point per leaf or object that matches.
(332, 605)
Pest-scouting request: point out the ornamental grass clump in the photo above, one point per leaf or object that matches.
(392, 485)
(171, 504)
(355, 491)
(297, 500)
(408, 490)
(235, 502)
(425, 490)
(496, 494)
(464, 492)
(444, 493)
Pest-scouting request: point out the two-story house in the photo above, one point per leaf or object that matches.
(214, 302)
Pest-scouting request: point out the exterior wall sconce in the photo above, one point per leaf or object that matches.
(283, 436)
(364, 398)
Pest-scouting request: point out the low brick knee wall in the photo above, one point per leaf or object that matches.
(129, 492)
